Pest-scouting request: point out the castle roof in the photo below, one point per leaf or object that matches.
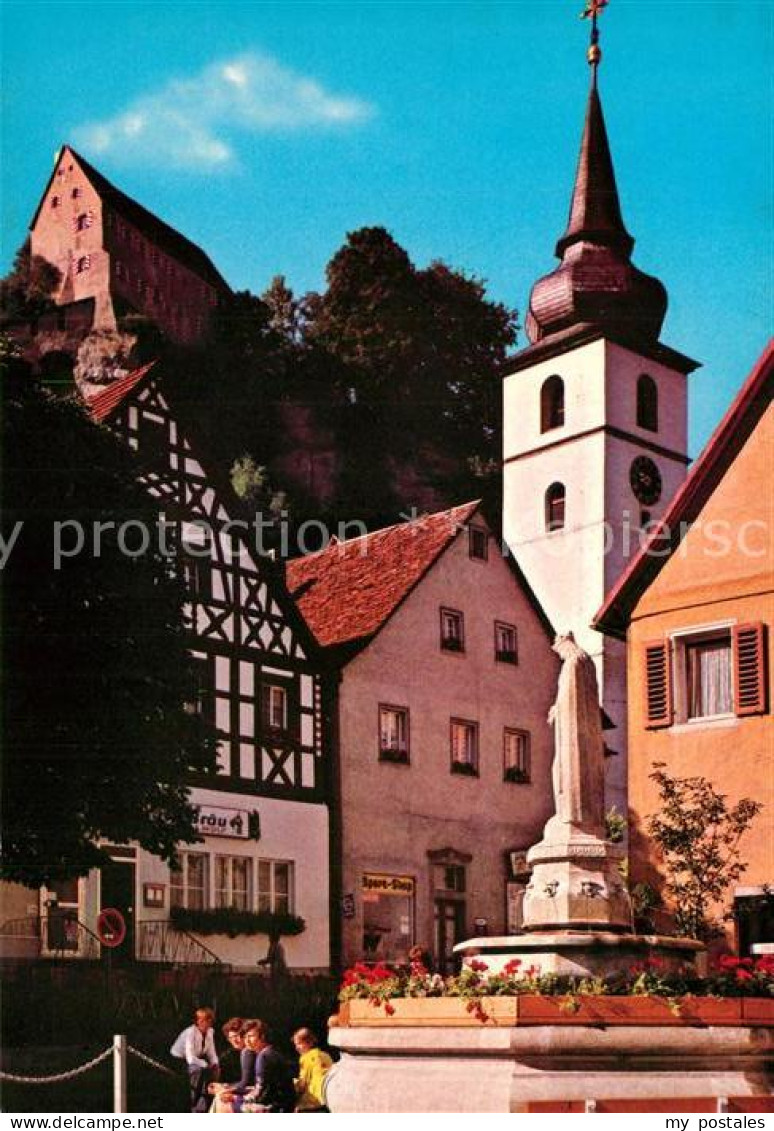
(174, 243)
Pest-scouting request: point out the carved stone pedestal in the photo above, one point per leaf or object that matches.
(576, 884)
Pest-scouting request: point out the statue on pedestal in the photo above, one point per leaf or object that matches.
(578, 767)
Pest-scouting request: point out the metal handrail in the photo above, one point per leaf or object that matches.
(27, 926)
(161, 940)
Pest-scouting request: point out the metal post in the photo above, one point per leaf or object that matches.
(119, 1074)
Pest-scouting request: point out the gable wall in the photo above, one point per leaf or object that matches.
(392, 815)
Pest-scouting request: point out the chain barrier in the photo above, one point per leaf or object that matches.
(60, 1077)
(149, 1060)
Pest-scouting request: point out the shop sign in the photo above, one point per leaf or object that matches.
(212, 820)
(388, 885)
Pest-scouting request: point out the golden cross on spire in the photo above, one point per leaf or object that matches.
(592, 11)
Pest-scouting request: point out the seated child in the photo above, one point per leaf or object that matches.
(312, 1068)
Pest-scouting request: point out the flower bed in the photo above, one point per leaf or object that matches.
(737, 992)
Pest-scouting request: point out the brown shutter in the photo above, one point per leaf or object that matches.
(658, 681)
(749, 669)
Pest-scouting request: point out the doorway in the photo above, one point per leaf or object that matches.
(449, 930)
(117, 889)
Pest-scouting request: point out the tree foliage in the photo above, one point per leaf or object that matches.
(698, 833)
(27, 289)
(99, 740)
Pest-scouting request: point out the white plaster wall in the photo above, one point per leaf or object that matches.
(572, 570)
(623, 368)
(290, 830)
(583, 373)
(392, 815)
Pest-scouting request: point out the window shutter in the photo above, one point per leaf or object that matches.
(658, 681)
(749, 669)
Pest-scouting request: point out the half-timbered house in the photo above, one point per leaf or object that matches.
(264, 816)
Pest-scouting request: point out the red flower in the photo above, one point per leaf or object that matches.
(389, 1009)
(743, 975)
(728, 962)
(512, 966)
(477, 966)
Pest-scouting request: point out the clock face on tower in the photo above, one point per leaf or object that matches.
(645, 479)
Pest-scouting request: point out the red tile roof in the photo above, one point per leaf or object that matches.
(109, 398)
(349, 590)
(722, 449)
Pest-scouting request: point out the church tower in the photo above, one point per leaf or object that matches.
(594, 420)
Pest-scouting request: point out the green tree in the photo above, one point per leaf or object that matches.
(420, 354)
(99, 733)
(698, 833)
(27, 289)
(252, 485)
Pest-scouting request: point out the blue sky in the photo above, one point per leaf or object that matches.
(266, 131)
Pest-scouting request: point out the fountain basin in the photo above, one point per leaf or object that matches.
(432, 1056)
(583, 952)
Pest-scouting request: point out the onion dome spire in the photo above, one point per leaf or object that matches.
(596, 281)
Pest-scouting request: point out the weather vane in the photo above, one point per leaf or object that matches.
(592, 11)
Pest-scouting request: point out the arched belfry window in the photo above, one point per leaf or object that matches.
(552, 404)
(647, 403)
(555, 507)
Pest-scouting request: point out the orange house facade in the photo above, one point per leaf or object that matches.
(696, 609)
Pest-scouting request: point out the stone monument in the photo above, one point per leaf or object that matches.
(577, 910)
(576, 876)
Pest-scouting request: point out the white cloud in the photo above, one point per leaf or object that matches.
(195, 122)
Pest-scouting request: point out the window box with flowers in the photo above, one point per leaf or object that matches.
(394, 754)
(516, 774)
(467, 769)
(232, 922)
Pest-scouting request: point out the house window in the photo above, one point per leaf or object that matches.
(232, 882)
(452, 630)
(555, 507)
(189, 885)
(56, 201)
(478, 543)
(197, 577)
(450, 878)
(201, 704)
(275, 886)
(712, 673)
(274, 706)
(151, 436)
(516, 755)
(83, 264)
(552, 404)
(707, 667)
(506, 643)
(388, 916)
(647, 403)
(83, 222)
(76, 193)
(393, 734)
(464, 747)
